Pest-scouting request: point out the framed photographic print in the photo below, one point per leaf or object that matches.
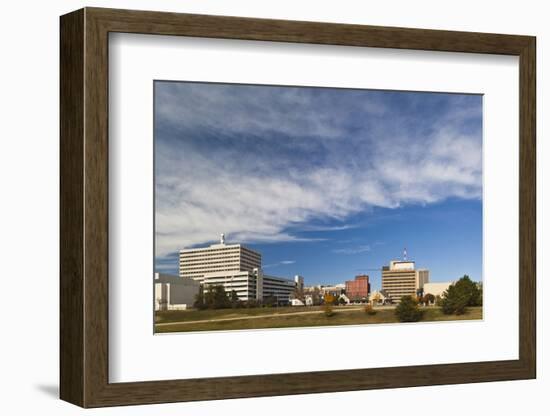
(255, 207)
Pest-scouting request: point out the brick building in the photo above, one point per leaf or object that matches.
(358, 289)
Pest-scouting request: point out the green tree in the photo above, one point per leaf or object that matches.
(199, 299)
(408, 311)
(221, 300)
(215, 297)
(234, 300)
(477, 298)
(270, 301)
(209, 297)
(460, 295)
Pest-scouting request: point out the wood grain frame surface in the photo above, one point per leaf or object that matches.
(84, 254)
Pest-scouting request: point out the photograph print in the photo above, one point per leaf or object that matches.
(293, 206)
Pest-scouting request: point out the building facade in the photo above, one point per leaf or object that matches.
(333, 290)
(358, 289)
(378, 297)
(195, 263)
(237, 268)
(174, 293)
(401, 278)
(246, 284)
(436, 288)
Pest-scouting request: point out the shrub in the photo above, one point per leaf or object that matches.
(408, 311)
(270, 301)
(369, 310)
(251, 303)
(327, 307)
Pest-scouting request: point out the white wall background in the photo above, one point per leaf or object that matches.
(29, 159)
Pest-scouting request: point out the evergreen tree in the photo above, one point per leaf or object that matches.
(221, 300)
(199, 299)
(408, 311)
(209, 298)
(460, 295)
(234, 299)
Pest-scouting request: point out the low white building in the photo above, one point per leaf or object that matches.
(344, 298)
(174, 292)
(334, 290)
(254, 285)
(296, 302)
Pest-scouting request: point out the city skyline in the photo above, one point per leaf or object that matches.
(375, 257)
(325, 183)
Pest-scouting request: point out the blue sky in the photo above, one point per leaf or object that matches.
(324, 182)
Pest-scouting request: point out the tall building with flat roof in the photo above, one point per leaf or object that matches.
(195, 263)
(401, 278)
(235, 267)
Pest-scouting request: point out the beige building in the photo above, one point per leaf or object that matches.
(401, 278)
(436, 288)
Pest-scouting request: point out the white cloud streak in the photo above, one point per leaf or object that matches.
(352, 250)
(279, 263)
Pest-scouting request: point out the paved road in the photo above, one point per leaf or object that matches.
(238, 318)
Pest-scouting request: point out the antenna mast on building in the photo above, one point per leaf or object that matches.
(222, 238)
(405, 254)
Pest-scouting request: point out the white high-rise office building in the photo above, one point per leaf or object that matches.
(237, 268)
(195, 263)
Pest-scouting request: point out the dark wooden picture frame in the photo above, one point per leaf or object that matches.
(84, 207)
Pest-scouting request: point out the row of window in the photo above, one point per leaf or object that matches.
(398, 275)
(207, 251)
(234, 255)
(277, 284)
(208, 266)
(232, 259)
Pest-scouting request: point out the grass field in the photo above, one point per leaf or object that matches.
(288, 317)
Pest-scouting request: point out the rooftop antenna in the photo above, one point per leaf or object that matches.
(405, 254)
(222, 238)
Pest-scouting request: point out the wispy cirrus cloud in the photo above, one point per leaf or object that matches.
(279, 263)
(353, 250)
(271, 164)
